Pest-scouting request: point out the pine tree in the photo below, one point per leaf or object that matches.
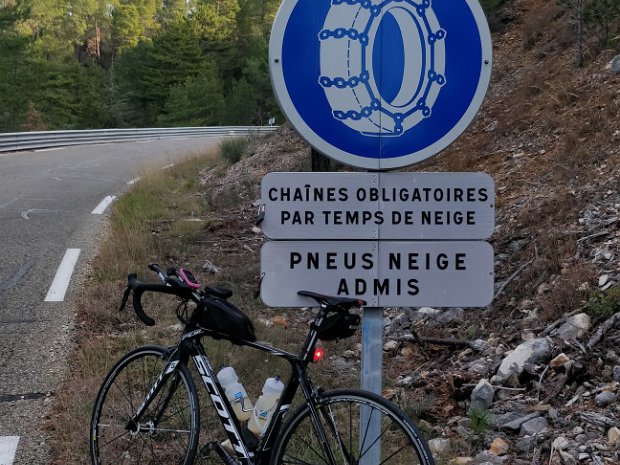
(173, 58)
(17, 71)
(216, 19)
(199, 101)
(134, 21)
(241, 104)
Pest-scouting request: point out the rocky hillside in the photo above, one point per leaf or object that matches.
(535, 377)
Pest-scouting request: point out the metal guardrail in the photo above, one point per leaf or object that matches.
(16, 141)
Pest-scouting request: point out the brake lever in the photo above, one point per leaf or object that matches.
(125, 298)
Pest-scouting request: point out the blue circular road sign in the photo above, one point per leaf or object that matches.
(380, 84)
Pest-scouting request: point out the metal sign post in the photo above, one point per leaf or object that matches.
(372, 369)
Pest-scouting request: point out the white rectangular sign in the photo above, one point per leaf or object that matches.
(385, 274)
(378, 206)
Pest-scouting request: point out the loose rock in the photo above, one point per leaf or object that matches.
(614, 65)
(575, 327)
(529, 352)
(482, 395)
(613, 436)
(605, 398)
(534, 427)
(439, 446)
(499, 447)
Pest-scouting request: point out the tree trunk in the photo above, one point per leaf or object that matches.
(579, 31)
(98, 40)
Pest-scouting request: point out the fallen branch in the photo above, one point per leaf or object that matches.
(447, 342)
(600, 332)
(511, 278)
(422, 341)
(585, 239)
(598, 419)
(560, 322)
(498, 387)
(592, 236)
(417, 338)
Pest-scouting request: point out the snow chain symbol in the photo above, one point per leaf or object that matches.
(347, 41)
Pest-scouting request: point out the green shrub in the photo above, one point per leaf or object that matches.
(480, 420)
(234, 149)
(603, 304)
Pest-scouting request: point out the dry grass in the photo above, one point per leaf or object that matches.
(161, 201)
(166, 218)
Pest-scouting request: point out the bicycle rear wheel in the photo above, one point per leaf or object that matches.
(168, 431)
(362, 429)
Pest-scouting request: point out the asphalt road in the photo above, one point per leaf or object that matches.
(46, 204)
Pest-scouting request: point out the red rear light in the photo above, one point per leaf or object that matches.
(319, 354)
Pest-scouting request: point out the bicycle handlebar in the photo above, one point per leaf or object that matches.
(175, 286)
(171, 287)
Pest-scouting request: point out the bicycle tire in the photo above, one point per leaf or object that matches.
(172, 439)
(399, 442)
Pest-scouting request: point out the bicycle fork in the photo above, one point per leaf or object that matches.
(133, 425)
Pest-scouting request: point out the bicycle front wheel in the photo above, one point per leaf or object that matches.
(361, 428)
(168, 431)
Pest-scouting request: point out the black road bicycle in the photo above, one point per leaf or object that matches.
(147, 411)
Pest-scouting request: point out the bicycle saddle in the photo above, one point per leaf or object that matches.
(344, 303)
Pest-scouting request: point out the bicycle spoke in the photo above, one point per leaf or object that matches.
(366, 429)
(125, 416)
(131, 443)
(130, 390)
(140, 453)
(175, 413)
(180, 405)
(149, 445)
(114, 439)
(312, 449)
(124, 395)
(373, 442)
(351, 427)
(393, 454)
(169, 440)
(392, 441)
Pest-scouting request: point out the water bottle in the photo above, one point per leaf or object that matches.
(265, 406)
(235, 393)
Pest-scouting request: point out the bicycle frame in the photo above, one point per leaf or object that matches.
(191, 346)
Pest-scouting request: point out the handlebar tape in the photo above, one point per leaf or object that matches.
(139, 288)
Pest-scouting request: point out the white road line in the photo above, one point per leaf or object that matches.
(60, 284)
(133, 181)
(99, 209)
(8, 447)
(49, 150)
(167, 167)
